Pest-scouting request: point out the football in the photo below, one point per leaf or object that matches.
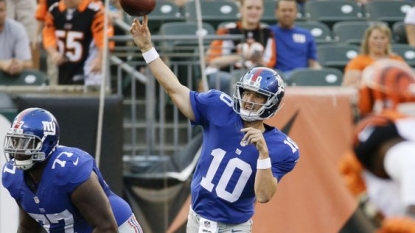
(138, 7)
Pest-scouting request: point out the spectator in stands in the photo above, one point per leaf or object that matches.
(41, 11)
(15, 54)
(74, 37)
(257, 48)
(410, 26)
(23, 11)
(296, 47)
(376, 44)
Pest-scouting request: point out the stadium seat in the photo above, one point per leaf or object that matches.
(269, 16)
(188, 29)
(386, 10)
(320, 31)
(27, 77)
(330, 12)
(406, 51)
(213, 12)
(399, 33)
(164, 12)
(351, 32)
(336, 55)
(312, 77)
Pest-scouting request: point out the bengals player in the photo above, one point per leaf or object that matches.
(385, 84)
(381, 128)
(74, 38)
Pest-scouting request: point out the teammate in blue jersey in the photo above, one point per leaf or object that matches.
(56, 187)
(242, 159)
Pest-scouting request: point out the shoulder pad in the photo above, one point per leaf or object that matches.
(70, 166)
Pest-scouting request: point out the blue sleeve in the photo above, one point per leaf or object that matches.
(76, 171)
(205, 103)
(12, 179)
(312, 50)
(286, 164)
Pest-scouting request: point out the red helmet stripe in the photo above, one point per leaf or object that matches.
(256, 75)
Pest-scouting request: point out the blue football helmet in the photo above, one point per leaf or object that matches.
(32, 138)
(264, 81)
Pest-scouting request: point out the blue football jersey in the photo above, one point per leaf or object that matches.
(223, 182)
(50, 205)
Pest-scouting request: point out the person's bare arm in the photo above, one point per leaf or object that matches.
(94, 206)
(27, 224)
(410, 34)
(223, 61)
(351, 78)
(313, 64)
(177, 92)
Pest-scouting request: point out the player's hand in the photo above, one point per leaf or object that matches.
(141, 34)
(255, 137)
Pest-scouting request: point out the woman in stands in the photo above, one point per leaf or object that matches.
(376, 44)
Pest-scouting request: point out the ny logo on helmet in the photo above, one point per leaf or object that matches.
(49, 127)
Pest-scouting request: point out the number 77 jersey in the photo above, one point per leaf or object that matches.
(50, 205)
(223, 182)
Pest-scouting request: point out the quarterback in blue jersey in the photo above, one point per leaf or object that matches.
(56, 187)
(242, 159)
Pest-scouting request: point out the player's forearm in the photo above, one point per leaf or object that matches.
(265, 185)
(177, 92)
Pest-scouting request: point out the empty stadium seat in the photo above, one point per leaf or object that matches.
(336, 55)
(269, 16)
(406, 51)
(313, 77)
(330, 12)
(186, 29)
(27, 77)
(320, 31)
(212, 12)
(351, 32)
(399, 33)
(387, 10)
(164, 12)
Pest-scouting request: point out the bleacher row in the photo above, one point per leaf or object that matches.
(338, 27)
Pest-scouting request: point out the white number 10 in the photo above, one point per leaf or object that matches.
(218, 155)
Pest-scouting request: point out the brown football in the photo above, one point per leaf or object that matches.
(138, 7)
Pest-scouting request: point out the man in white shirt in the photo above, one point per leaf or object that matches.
(15, 53)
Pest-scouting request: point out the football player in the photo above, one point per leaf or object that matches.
(386, 101)
(242, 159)
(58, 188)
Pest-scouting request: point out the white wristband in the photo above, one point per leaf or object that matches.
(263, 163)
(150, 55)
